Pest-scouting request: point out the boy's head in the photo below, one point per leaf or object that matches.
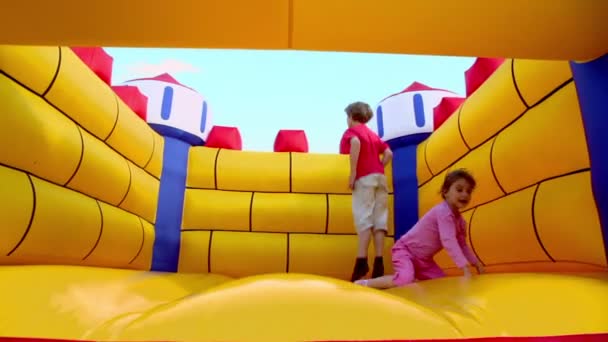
(358, 112)
(457, 188)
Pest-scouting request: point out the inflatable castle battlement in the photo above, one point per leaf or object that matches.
(176, 110)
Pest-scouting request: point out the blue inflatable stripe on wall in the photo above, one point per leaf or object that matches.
(407, 140)
(204, 117)
(380, 121)
(591, 80)
(419, 110)
(405, 185)
(405, 181)
(165, 109)
(170, 206)
(168, 131)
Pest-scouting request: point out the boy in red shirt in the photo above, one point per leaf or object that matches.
(368, 182)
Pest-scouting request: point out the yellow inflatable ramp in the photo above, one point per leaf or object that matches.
(100, 304)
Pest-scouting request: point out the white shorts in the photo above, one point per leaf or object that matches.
(370, 202)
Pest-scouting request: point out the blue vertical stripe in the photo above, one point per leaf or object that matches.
(591, 80)
(405, 185)
(170, 206)
(380, 121)
(419, 110)
(165, 109)
(405, 181)
(204, 117)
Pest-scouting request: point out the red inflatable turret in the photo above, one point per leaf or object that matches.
(291, 141)
(479, 72)
(224, 137)
(133, 98)
(97, 60)
(445, 109)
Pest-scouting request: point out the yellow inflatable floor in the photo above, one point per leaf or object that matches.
(99, 304)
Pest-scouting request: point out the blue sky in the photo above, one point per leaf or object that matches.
(261, 91)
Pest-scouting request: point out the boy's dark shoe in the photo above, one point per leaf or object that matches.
(361, 269)
(378, 267)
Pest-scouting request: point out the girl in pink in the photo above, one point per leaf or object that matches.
(441, 227)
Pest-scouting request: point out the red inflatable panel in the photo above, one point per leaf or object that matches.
(415, 86)
(225, 137)
(97, 60)
(291, 141)
(133, 98)
(445, 109)
(163, 78)
(479, 72)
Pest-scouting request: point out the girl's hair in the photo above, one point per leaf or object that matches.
(455, 175)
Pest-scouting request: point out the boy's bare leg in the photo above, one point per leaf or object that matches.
(361, 266)
(364, 240)
(379, 235)
(378, 270)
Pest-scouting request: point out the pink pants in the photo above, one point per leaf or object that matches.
(408, 267)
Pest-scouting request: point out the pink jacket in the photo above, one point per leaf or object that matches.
(439, 228)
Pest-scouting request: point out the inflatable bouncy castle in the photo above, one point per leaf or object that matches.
(127, 215)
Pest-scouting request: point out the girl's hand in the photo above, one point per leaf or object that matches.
(480, 268)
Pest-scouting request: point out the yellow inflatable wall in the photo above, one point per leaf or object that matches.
(82, 167)
(249, 213)
(79, 172)
(520, 134)
(522, 137)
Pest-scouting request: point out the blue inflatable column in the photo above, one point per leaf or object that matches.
(591, 80)
(167, 243)
(405, 182)
(170, 205)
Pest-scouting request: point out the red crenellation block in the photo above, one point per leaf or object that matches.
(133, 98)
(479, 72)
(97, 60)
(445, 109)
(291, 141)
(224, 137)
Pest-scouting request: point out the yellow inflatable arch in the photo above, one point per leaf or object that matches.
(112, 231)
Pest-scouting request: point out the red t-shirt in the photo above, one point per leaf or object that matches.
(369, 154)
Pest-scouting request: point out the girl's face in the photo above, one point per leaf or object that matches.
(458, 195)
